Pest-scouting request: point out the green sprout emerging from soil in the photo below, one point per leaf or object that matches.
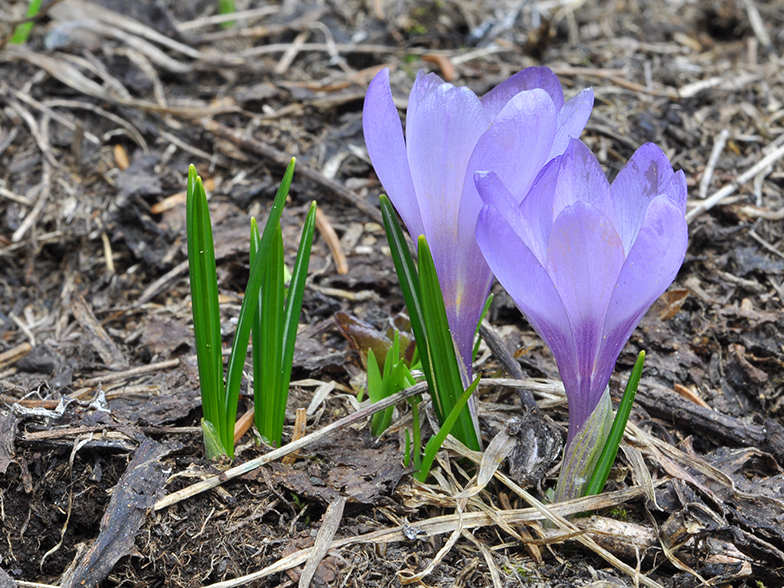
(273, 320)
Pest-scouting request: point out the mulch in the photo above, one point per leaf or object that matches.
(103, 479)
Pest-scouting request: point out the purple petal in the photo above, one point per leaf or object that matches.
(535, 213)
(582, 179)
(516, 145)
(526, 281)
(646, 175)
(584, 259)
(387, 150)
(423, 85)
(442, 131)
(676, 190)
(527, 79)
(571, 121)
(495, 194)
(650, 268)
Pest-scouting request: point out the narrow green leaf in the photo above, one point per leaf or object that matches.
(395, 378)
(293, 307)
(374, 380)
(442, 356)
(610, 451)
(22, 32)
(204, 301)
(409, 280)
(267, 398)
(226, 7)
(395, 382)
(250, 303)
(259, 386)
(435, 442)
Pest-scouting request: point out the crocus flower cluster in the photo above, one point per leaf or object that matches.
(584, 260)
(502, 185)
(450, 134)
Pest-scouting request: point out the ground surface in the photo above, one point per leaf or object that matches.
(102, 113)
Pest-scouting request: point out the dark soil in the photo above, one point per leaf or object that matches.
(98, 380)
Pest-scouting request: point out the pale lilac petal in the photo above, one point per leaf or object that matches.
(527, 79)
(536, 213)
(442, 132)
(571, 121)
(676, 190)
(645, 177)
(650, 268)
(517, 143)
(423, 85)
(387, 150)
(584, 259)
(533, 229)
(526, 281)
(495, 194)
(582, 179)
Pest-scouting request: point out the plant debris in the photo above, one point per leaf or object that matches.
(102, 475)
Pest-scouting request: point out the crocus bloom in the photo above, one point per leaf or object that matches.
(450, 134)
(584, 260)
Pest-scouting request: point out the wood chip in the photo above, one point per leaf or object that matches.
(96, 334)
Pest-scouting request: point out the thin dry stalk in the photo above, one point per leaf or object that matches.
(730, 188)
(243, 424)
(14, 354)
(718, 147)
(43, 198)
(329, 526)
(124, 375)
(406, 578)
(439, 526)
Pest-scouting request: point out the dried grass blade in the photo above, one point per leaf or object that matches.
(329, 526)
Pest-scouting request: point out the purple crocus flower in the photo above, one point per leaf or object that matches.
(584, 260)
(450, 134)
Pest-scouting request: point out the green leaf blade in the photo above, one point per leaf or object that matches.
(447, 375)
(270, 412)
(435, 442)
(409, 280)
(248, 309)
(22, 32)
(607, 458)
(204, 300)
(296, 293)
